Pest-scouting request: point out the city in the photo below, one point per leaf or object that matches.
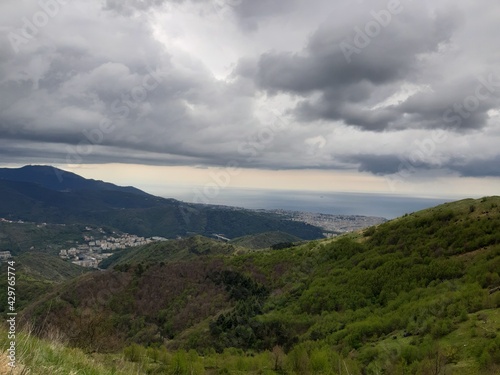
(93, 251)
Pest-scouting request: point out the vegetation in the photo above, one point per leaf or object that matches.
(47, 267)
(52, 357)
(50, 238)
(138, 213)
(36, 274)
(265, 240)
(169, 251)
(416, 295)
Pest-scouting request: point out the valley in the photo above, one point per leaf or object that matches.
(250, 293)
(249, 187)
(407, 295)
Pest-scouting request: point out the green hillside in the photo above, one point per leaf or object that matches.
(169, 251)
(36, 274)
(138, 213)
(50, 238)
(416, 295)
(265, 240)
(53, 357)
(47, 267)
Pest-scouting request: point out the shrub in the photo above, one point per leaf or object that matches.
(411, 354)
(179, 365)
(134, 353)
(442, 328)
(320, 360)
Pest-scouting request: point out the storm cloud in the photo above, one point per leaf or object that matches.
(267, 84)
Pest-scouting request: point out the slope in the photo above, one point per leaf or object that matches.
(19, 238)
(139, 214)
(59, 180)
(169, 251)
(36, 274)
(404, 297)
(265, 240)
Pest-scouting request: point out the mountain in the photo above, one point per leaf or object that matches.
(35, 194)
(419, 295)
(58, 180)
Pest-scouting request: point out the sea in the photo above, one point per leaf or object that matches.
(381, 205)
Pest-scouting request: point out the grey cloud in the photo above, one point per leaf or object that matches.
(53, 153)
(128, 7)
(477, 167)
(389, 57)
(347, 88)
(80, 86)
(461, 105)
(83, 69)
(388, 164)
(262, 8)
(251, 12)
(348, 105)
(376, 164)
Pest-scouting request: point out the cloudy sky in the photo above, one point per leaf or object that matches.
(391, 96)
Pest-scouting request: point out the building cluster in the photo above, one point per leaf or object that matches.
(5, 255)
(336, 224)
(91, 253)
(3, 220)
(332, 224)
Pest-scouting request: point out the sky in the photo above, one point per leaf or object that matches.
(390, 97)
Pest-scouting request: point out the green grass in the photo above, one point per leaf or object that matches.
(457, 351)
(408, 296)
(36, 274)
(264, 240)
(47, 267)
(169, 251)
(52, 357)
(50, 238)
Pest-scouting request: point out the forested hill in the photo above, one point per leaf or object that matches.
(42, 194)
(416, 295)
(59, 180)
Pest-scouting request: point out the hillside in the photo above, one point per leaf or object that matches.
(39, 199)
(265, 240)
(416, 295)
(19, 238)
(59, 180)
(36, 274)
(47, 267)
(169, 251)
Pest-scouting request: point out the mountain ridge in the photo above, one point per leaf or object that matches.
(38, 198)
(57, 179)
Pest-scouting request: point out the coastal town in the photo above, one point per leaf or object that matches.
(93, 251)
(99, 244)
(332, 225)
